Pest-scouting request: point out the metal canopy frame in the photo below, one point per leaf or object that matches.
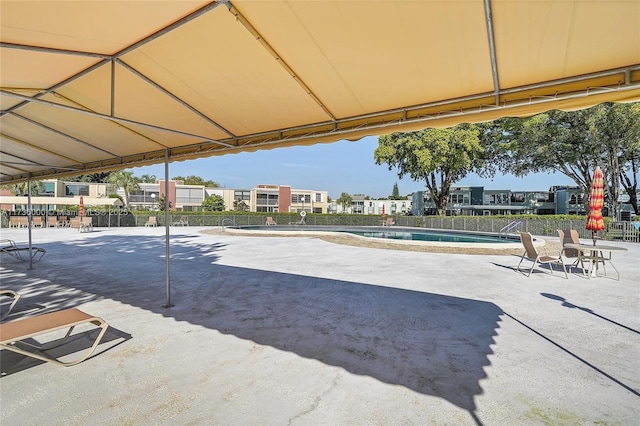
(500, 101)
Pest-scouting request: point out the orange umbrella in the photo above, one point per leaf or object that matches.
(81, 209)
(383, 213)
(595, 222)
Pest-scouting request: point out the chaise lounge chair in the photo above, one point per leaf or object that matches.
(13, 334)
(270, 221)
(534, 256)
(151, 222)
(14, 295)
(21, 253)
(182, 222)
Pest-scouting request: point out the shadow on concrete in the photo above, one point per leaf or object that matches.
(11, 362)
(570, 305)
(429, 343)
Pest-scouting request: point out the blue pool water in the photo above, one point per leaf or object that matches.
(431, 236)
(394, 233)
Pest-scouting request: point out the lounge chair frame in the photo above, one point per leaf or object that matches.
(12, 249)
(13, 334)
(184, 221)
(12, 294)
(530, 253)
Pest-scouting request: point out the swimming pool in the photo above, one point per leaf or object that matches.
(391, 234)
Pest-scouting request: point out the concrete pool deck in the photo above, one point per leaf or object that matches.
(301, 331)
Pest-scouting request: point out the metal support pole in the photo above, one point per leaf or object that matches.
(29, 219)
(166, 227)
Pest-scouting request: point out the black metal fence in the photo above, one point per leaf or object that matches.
(622, 231)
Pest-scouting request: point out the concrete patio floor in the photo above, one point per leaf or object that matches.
(300, 331)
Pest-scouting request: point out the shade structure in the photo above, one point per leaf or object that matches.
(595, 222)
(81, 207)
(102, 85)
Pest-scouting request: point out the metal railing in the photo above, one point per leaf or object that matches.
(505, 230)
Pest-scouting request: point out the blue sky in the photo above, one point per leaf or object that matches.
(335, 167)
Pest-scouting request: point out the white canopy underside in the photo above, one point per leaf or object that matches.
(91, 86)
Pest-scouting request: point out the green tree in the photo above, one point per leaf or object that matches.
(344, 200)
(240, 206)
(146, 178)
(395, 193)
(197, 180)
(162, 203)
(22, 188)
(213, 203)
(125, 180)
(616, 129)
(574, 143)
(440, 157)
(93, 177)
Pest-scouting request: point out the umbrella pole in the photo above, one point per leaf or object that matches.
(594, 254)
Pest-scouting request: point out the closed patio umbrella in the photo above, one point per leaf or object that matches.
(595, 222)
(81, 208)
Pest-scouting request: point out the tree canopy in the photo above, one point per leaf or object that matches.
(574, 143)
(125, 180)
(213, 203)
(344, 200)
(197, 180)
(440, 157)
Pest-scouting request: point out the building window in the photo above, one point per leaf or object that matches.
(318, 197)
(543, 197)
(189, 195)
(266, 199)
(501, 198)
(575, 199)
(48, 189)
(517, 197)
(74, 190)
(242, 195)
(300, 198)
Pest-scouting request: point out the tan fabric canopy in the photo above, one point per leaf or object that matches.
(63, 201)
(100, 85)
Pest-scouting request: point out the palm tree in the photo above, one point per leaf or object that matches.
(125, 180)
(148, 178)
(23, 188)
(345, 201)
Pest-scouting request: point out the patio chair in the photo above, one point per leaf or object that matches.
(151, 222)
(74, 223)
(570, 236)
(13, 334)
(182, 222)
(532, 254)
(388, 222)
(52, 221)
(38, 221)
(14, 295)
(21, 253)
(270, 221)
(86, 224)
